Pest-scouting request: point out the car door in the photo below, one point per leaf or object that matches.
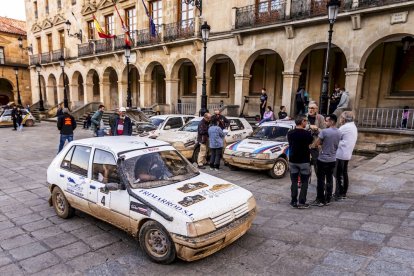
(113, 206)
(237, 131)
(73, 173)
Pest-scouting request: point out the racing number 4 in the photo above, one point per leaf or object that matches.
(103, 201)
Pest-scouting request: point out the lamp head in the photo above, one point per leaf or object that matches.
(16, 71)
(333, 9)
(205, 31)
(62, 61)
(68, 24)
(38, 67)
(127, 51)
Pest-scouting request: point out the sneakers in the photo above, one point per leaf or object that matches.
(294, 205)
(328, 202)
(216, 169)
(303, 206)
(211, 168)
(317, 202)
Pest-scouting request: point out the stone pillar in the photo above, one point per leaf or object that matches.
(288, 8)
(354, 78)
(122, 93)
(241, 89)
(88, 93)
(104, 93)
(290, 85)
(145, 93)
(171, 89)
(60, 93)
(74, 95)
(50, 95)
(233, 18)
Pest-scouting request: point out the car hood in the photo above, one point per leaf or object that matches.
(255, 146)
(177, 136)
(201, 197)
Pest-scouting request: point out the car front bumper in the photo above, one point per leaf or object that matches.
(249, 163)
(191, 249)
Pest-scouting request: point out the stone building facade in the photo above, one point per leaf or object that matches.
(13, 62)
(276, 44)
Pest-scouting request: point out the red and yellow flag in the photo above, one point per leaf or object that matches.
(101, 32)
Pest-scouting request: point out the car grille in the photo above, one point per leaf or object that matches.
(230, 216)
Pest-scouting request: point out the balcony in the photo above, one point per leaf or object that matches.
(179, 30)
(34, 59)
(45, 58)
(376, 3)
(260, 14)
(119, 41)
(144, 38)
(86, 49)
(103, 45)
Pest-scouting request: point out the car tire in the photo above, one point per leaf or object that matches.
(61, 204)
(29, 123)
(156, 242)
(279, 168)
(232, 167)
(195, 154)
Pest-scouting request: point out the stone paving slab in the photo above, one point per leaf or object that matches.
(371, 233)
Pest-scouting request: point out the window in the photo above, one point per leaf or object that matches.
(59, 4)
(174, 123)
(403, 75)
(221, 78)
(186, 14)
(1, 55)
(109, 24)
(131, 20)
(73, 2)
(269, 5)
(236, 125)
(77, 160)
(49, 42)
(47, 6)
(156, 13)
(104, 167)
(62, 39)
(36, 14)
(258, 79)
(91, 30)
(39, 45)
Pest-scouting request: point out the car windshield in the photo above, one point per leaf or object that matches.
(158, 169)
(156, 121)
(191, 126)
(276, 133)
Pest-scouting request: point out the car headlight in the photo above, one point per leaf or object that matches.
(262, 156)
(189, 143)
(201, 227)
(251, 203)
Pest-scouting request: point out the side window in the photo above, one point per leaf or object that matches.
(7, 113)
(77, 160)
(174, 123)
(236, 125)
(104, 168)
(187, 119)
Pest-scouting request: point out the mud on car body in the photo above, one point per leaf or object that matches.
(265, 150)
(185, 139)
(150, 190)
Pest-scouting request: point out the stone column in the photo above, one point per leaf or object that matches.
(241, 89)
(74, 95)
(171, 88)
(288, 8)
(50, 95)
(145, 93)
(104, 93)
(122, 94)
(290, 85)
(354, 78)
(88, 93)
(60, 93)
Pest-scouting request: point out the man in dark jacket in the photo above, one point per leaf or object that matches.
(223, 121)
(122, 124)
(14, 117)
(112, 120)
(202, 138)
(66, 124)
(96, 120)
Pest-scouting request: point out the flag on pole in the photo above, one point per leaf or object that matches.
(153, 30)
(101, 32)
(124, 28)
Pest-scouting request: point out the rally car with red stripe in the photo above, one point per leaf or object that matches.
(266, 149)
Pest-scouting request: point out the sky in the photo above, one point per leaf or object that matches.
(13, 9)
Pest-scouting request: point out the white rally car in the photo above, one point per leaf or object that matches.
(266, 149)
(185, 139)
(162, 124)
(150, 190)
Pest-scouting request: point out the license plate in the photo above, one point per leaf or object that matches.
(241, 160)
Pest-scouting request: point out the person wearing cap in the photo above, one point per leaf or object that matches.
(66, 124)
(122, 124)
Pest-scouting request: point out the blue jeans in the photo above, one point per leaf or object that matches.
(63, 139)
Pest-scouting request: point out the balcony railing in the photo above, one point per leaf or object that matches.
(86, 49)
(56, 54)
(145, 38)
(376, 3)
(119, 41)
(179, 30)
(389, 118)
(45, 58)
(186, 108)
(265, 12)
(103, 45)
(34, 59)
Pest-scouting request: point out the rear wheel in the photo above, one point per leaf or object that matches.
(29, 123)
(279, 168)
(61, 204)
(156, 242)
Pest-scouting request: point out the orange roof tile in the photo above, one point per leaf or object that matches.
(12, 26)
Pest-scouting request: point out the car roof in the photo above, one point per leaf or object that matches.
(229, 118)
(119, 144)
(163, 117)
(281, 123)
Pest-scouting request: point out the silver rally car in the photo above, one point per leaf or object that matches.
(265, 150)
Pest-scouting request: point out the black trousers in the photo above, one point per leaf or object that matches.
(215, 157)
(325, 181)
(262, 111)
(342, 180)
(314, 159)
(14, 123)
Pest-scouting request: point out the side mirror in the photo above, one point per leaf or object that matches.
(167, 127)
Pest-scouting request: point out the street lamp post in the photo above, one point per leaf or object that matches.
(333, 8)
(65, 96)
(127, 56)
(205, 32)
(41, 106)
(19, 100)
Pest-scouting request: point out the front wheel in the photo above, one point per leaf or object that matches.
(156, 242)
(279, 168)
(29, 123)
(61, 204)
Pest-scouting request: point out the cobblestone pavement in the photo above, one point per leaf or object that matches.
(371, 233)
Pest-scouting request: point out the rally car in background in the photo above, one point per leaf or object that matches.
(150, 190)
(6, 119)
(265, 150)
(162, 123)
(185, 139)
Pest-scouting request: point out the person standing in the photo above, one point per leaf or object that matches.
(112, 120)
(216, 137)
(202, 139)
(405, 115)
(87, 122)
(122, 125)
(66, 124)
(349, 135)
(299, 161)
(223, 122)
(263, 103)
(343, 103)
(334, 100)
(328, 140)
(316, 122)
(19, 118)
(300, 101)
(96, 120)
(59, 111)
(14, 117)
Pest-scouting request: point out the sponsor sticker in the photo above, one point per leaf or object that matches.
(75, 188)
(140, 208)
(191, 187)
(218, 189)
(190, 200)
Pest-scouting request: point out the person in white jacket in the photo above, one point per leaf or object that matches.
(349, 135)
